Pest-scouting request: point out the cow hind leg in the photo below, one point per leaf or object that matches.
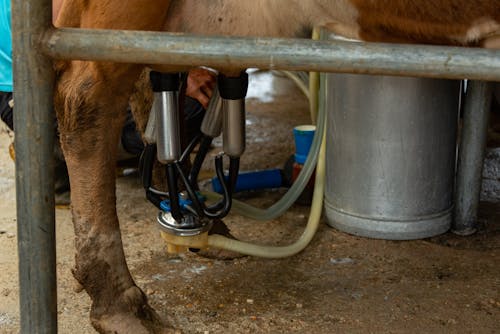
(91, 101)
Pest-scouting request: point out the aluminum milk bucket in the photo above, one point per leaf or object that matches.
(391, 148)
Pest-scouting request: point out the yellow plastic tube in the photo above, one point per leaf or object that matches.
(314, 84)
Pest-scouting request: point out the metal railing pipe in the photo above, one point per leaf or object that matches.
(471, 156)
(273, 53)
(34, 129)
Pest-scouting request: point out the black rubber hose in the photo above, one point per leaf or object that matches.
(190, 148)
(221, 208)
(205, 143)
(146, 163)
(175, 208)
(230, 184)
(234, 169)
(197, 205)
(154, 198)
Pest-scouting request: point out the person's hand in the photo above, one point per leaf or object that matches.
(200, 85)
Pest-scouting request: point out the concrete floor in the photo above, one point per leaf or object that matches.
(340, 283)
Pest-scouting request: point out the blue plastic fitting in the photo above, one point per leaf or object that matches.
(183, 202)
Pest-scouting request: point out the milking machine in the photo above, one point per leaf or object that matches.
(185, 215)
(184, 211)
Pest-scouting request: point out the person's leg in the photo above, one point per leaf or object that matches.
(61, 183)
(494, 124)
(131, 140)
(193, 116)
(6, 108)
(61, 177)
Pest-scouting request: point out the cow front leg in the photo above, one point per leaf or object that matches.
(91, 102)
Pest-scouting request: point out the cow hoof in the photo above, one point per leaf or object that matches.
(219, 254)
(131, 314)
(127, 323)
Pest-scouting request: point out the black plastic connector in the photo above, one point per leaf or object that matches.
(233, 88)
(162, 82)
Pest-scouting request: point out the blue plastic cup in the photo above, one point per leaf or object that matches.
(303, 135)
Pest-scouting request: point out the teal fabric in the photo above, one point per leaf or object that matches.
(5, 47)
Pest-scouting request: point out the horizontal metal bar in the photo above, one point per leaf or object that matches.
(272, 53)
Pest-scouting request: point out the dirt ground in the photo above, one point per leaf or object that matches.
(339, 284)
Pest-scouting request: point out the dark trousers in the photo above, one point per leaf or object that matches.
(60, 170)
(5, 109)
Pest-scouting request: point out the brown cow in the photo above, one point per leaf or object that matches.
(91, 118)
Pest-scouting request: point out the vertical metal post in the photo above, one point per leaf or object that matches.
(471, 156)
(34, 129)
